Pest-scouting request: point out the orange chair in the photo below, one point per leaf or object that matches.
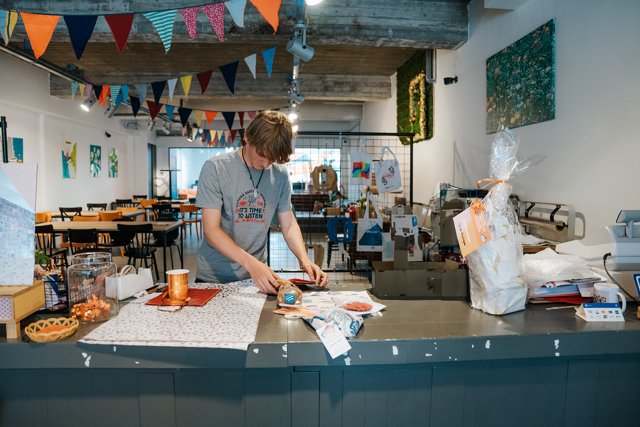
(43, 217)
(190, 209)
(122, 209)
(86, 218)
(148, 204)
(109, 216)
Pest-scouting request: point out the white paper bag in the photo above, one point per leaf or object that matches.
(126, 286)
(360, 164)
(388, 173)
(370, 230)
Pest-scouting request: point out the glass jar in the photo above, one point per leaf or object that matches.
(89, 297)
(91, 257)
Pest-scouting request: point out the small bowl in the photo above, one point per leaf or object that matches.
(33, 331)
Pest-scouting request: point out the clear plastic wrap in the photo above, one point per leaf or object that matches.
(549, 266)
(496, 269)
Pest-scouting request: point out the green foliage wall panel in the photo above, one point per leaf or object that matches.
(421, 97)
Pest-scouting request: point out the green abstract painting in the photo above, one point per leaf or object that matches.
(95, 158)
(521, 81)
(113, 162)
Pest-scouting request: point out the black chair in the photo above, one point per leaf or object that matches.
(115, 237)
(139, 197)
(65, 213)
(164, 212)
(125, 203)
(192, 200)
(84, 241)
(172, 240)
(166, 198)
(137, 244)
(98, 206)
(46, 241)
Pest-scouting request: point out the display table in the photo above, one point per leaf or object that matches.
(437, 363)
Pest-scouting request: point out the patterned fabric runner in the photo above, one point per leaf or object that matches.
(229, 320)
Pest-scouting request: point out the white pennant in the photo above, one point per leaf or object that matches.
(251, 62)
(236, 9)
(172, 86)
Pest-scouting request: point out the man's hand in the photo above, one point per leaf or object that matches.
(263, 277)
(315, 273)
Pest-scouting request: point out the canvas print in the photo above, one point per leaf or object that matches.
(95, 159)
(69, 160)
(113, 162)
(16, 150)
(521, 81)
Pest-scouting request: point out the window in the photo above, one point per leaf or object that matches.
(305, 160)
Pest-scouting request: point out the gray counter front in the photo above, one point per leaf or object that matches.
(423, 363)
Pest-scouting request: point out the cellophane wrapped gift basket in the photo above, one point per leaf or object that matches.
(496, 268)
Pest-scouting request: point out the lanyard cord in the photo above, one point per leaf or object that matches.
(255, 187)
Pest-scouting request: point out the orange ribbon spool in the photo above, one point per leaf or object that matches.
(178, 285)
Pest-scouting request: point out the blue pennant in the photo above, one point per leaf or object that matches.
(135, 104)
(80, 30)
(229, 73)
(229, 116)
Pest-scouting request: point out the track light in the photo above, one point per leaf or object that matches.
(152, 125)
(293, 112)
(296, 97)
(166, 127)
(88, 103)
(296, 47)
(111, 111)
(313, 2)
(295, 128)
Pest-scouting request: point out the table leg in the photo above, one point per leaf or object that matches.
(164, 255)
(13, 330)
(181, 253)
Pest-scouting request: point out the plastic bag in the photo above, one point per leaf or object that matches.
(496, 270)
(349, 323)
(549, 266)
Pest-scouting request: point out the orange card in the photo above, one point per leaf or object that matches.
(471, 230)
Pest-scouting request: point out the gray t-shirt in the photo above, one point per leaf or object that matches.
(224, 184)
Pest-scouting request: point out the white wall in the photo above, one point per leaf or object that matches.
(380, 116)
(45, 122)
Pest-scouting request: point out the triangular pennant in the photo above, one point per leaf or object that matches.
(233, 134)
(74, 88)
(241, 131)
(125, 92)
(216, 141)
(81, 88)
(184, 129)
(236, 9)
(119, 99)
(251, 63)
(87, 91)
(186, 84)
(203, 79)
(98, 90)
(120, 26)
(163, 21)
(206, 134)
(190, 16)
(198, 117)
(251, 114)
(229, 73)
(154, 109)
(158, 88)
(115, 90)
(210, 115)
(39, 30)
(106, 90)
(228, 117)
(142, 91)
(135, 104)
(222, 140)
(241, 117)
(300, 4)
(8, 20)
(269, 11)
(213, 134)
(215, 13)
(80, 30)
(268, 56)
(227, 137)
(184, 115)
(172, 86)
(169, 109)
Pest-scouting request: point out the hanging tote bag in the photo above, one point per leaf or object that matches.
(370, 230)
(388, 173)
(361, 166)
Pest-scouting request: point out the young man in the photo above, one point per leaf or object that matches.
(239, 192)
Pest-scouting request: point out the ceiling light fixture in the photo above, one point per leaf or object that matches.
(166, 127)
(295, 128)
(111, 111)
(88, 103)
(313, 2)
(152, 125)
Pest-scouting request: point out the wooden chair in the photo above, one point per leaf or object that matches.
(109, 216)
(125, 203)
(139, 197)
(172, 237)
(65, 213)
(190, 209)
(138, 244)
(86, 218)
(84, 241)
(146, 205)
(164, 212)
(98, 206)
(45, 240)
(124, 209)
(43, 217)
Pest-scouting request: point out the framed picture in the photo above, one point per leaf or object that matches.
(95, 159)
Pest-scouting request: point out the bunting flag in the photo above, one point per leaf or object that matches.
(241, 131)
(251, 114)
(216, 141)
(300, 4)
(8, 20)
(169, 109)
(215, 13)
(222, 141)
(241, 117)
(228, 117)
(210, 115)
(158, 88)
(142, 91)
(203, 79)
(74, 88)
(269, 11)
(120, 26)
(268, 56)
(115, 90)
(154, 109)
(213, 134)
(135, 105)
(184, 115)
(163, 21)
(98, 90)
(251, 63)
(184, 129)
(233, 135)
(125, 92)
(80, 30)
(236, 10)
(87, 91)
(39, 30)
(106, 90)
(81, 87)
(119, 99)
(190, 15)
(198, 117)
(186, 84)
(227, 137)
(229, 73)
(172, 86)
(206, 134)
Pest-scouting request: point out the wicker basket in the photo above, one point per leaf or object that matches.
(33, 330)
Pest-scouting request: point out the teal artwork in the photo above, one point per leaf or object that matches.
(16, 145)
(95, 158)
(113, 162)
(521, 81)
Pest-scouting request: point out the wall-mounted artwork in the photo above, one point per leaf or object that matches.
(95, 159)
(17, 149)
(521, 81)
(113, 162)
(69, 160)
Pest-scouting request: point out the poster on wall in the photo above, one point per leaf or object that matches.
(69, 160)
(521, 81)
(16, 150)
(95, 160)
(113, 162)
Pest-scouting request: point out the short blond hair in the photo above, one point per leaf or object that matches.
(271, 132)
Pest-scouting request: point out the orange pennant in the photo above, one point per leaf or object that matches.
(39, 30)
(210, 116)
(269, 11)
(106, 91)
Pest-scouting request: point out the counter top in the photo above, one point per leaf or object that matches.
(410, 331)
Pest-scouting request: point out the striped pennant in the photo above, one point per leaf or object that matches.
(8, 20)
(115, 90)
(163, 21)
(74, 88)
